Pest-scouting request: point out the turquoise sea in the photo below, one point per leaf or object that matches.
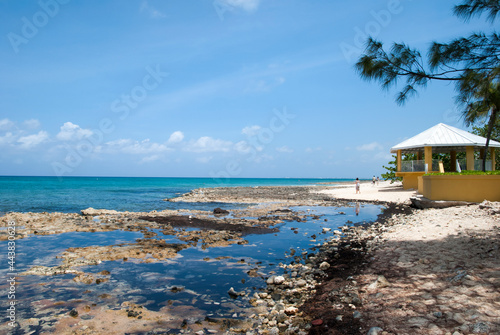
(204, 275)
(72, 194)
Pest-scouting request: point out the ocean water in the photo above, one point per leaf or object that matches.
(205, 275)
(72, 194)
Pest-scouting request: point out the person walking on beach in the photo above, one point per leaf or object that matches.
(357, 186)
(373, 180)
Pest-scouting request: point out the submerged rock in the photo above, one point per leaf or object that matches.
(232, 292)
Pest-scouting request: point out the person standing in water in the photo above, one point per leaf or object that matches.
(357, 186)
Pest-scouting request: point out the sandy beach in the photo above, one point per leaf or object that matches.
(434, 271)
(383, 191)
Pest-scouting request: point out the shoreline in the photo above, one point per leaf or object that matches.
(367, 290)
(358, 284)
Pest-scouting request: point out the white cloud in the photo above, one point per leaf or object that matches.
(6, 124)
(72, 132)
(149, 159)
(242, 147)
(251, 130)
(8, 138)
(153, 12)
(265, 85)
(247, 5)
(284, 149)
(31, 141)
(209, 144)
(32, 123)
(308, 150)
(128, 146)
(176, 137)
(369, 147)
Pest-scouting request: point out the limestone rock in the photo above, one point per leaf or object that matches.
(279, 280)
(379, 283)
(374, 331)
(324, 266)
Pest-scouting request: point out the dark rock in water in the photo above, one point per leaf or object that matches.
(183, 221)
(73, 313)
(220, 211)
(176, 289)
(286, 210)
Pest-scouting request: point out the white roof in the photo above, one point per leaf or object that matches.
(443, 136)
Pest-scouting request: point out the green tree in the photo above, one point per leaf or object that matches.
(473, 63)
(495, 135)
(392, 167)
(391, 171)
(481, 99)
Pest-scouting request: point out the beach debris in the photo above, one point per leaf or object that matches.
(317, 322)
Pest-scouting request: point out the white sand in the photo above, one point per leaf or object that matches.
(443, 266)
(444, 270)
(384, 191)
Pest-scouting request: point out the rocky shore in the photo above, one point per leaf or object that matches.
(434, 271)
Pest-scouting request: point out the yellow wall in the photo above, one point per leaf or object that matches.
(469, 153)
(410, 179)
(461, 188)
(420, 185)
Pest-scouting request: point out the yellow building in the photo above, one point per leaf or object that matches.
(441, 138)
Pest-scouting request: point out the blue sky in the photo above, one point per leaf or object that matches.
(204, 88)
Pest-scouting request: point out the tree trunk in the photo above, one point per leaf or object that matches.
(491, 123)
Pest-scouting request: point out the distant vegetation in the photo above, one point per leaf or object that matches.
(466, 173)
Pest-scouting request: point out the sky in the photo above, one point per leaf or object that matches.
(211, 88)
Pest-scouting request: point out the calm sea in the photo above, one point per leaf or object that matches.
(72, 194)
(204, 274)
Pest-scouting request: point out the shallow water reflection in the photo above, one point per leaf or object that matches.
(196, 277)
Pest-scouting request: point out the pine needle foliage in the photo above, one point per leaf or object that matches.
(472, 62)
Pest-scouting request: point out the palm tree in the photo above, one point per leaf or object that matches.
(480, 97)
